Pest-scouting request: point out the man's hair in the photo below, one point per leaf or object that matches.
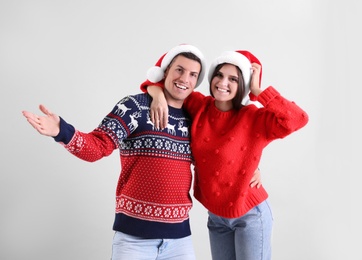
(188, 55)
(240, 92)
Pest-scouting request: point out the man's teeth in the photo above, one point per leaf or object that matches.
(180, 86)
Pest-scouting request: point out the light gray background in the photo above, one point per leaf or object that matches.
(80, 57)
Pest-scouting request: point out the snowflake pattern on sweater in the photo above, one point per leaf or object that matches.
(155, 178)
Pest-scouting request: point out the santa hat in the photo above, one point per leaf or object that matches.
(241, 59)
(156, 73)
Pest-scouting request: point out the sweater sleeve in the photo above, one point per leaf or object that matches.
(108, 136)
(281, 115)
(86, 146)
(66, 132)
(91, 146)
(147, 83)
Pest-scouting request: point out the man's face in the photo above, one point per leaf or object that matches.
(181, 79)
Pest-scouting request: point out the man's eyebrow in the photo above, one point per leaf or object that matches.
(180, 66)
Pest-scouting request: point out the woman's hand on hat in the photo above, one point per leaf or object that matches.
(255, 79)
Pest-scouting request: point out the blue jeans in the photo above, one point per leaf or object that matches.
(245, 238)
(126, 247)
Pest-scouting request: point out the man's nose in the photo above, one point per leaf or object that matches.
(185, 77)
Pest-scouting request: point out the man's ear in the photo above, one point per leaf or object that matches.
(166, 73)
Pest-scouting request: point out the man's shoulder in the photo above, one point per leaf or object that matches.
(142, 99)
(138, 96)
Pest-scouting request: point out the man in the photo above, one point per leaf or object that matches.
(152, 197)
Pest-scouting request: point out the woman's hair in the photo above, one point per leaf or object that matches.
(240, 92)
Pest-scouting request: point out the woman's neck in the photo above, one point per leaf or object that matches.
(223, 105)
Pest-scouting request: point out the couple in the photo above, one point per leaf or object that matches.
(227, 139)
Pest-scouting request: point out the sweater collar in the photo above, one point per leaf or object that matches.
(218, 113)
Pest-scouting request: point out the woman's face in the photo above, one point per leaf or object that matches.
(225, 83)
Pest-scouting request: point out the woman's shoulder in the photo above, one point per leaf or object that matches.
(198, 97)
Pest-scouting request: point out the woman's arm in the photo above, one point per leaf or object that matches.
(159, 107)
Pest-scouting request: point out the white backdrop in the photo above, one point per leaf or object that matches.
(80, 57)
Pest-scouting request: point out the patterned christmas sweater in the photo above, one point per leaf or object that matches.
(227, 147)
(152, 196)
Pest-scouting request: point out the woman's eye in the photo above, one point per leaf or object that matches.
(234, 79)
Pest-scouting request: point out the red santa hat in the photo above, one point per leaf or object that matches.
(242, 59)
(156, 73)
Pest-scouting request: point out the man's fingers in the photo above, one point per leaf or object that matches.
(32, 118)
(45, 110)
(35, 124)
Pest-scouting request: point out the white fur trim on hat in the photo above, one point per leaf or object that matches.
(156, 74)
(237, 59)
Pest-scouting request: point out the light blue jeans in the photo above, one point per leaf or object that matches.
(244, 238)
(126, 247)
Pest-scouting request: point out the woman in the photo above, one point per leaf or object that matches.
(227, 140)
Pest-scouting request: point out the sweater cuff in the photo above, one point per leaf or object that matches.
(267, 95)
(147, 83)
(66, 132)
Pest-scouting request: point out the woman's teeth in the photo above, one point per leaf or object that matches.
(222, 90)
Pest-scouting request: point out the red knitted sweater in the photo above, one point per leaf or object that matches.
(152, 196)
(227, 147)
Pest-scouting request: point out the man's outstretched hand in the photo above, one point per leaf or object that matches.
(48, 124)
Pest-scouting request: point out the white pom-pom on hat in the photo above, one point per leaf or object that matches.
(155, 74)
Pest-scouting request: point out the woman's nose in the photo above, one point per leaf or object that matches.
(224, 82)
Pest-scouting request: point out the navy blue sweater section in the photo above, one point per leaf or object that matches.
(149, 229)
(66, 132)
